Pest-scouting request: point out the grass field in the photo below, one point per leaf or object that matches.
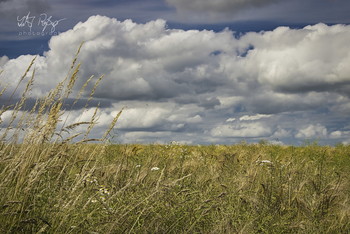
(55, 184)
(174, 189)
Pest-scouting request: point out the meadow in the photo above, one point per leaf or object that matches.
(56, 180)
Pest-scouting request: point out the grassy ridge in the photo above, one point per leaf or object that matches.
(53, 181)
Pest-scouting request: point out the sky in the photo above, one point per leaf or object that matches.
(194, 72)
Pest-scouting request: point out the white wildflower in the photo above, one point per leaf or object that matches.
(155, 168)
(264, 162)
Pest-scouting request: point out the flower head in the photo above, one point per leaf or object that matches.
(261, 162)
(155, 168)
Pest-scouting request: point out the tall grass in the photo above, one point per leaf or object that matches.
(51, 182)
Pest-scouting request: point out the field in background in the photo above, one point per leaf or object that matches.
(52, 180)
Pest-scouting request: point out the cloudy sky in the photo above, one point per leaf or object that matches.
(197, 72)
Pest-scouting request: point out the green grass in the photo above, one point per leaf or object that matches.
(55, 184)
(204, 189)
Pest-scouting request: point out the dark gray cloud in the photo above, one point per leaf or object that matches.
(13, 8)
(219, 6)
(336, 87)
(260, 12)
(275, 103)
(209, 103)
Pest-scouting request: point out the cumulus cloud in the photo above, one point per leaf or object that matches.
(300, 60)
(312, 131)
(241, 130)
(281, 133)
(336, 134)
(149, 61)
(143, 117)
(339, 134)
(190, 81)
(3, 60)
(142, 61)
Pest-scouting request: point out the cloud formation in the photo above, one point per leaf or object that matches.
(242, 130)
(204, 86)
(313, 131)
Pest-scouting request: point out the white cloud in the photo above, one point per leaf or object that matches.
(281, 133)
(194, 79)
(254, 129)
(7, 116)
(142, 136)
(157, 116)
(339, 134)
(150, 61)
(336, 134)
(230, 119)
(3, 60)
(297, 60)
(14, 69)
(143, 117)
(141, 60)
(253, 117)
(312, 131)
